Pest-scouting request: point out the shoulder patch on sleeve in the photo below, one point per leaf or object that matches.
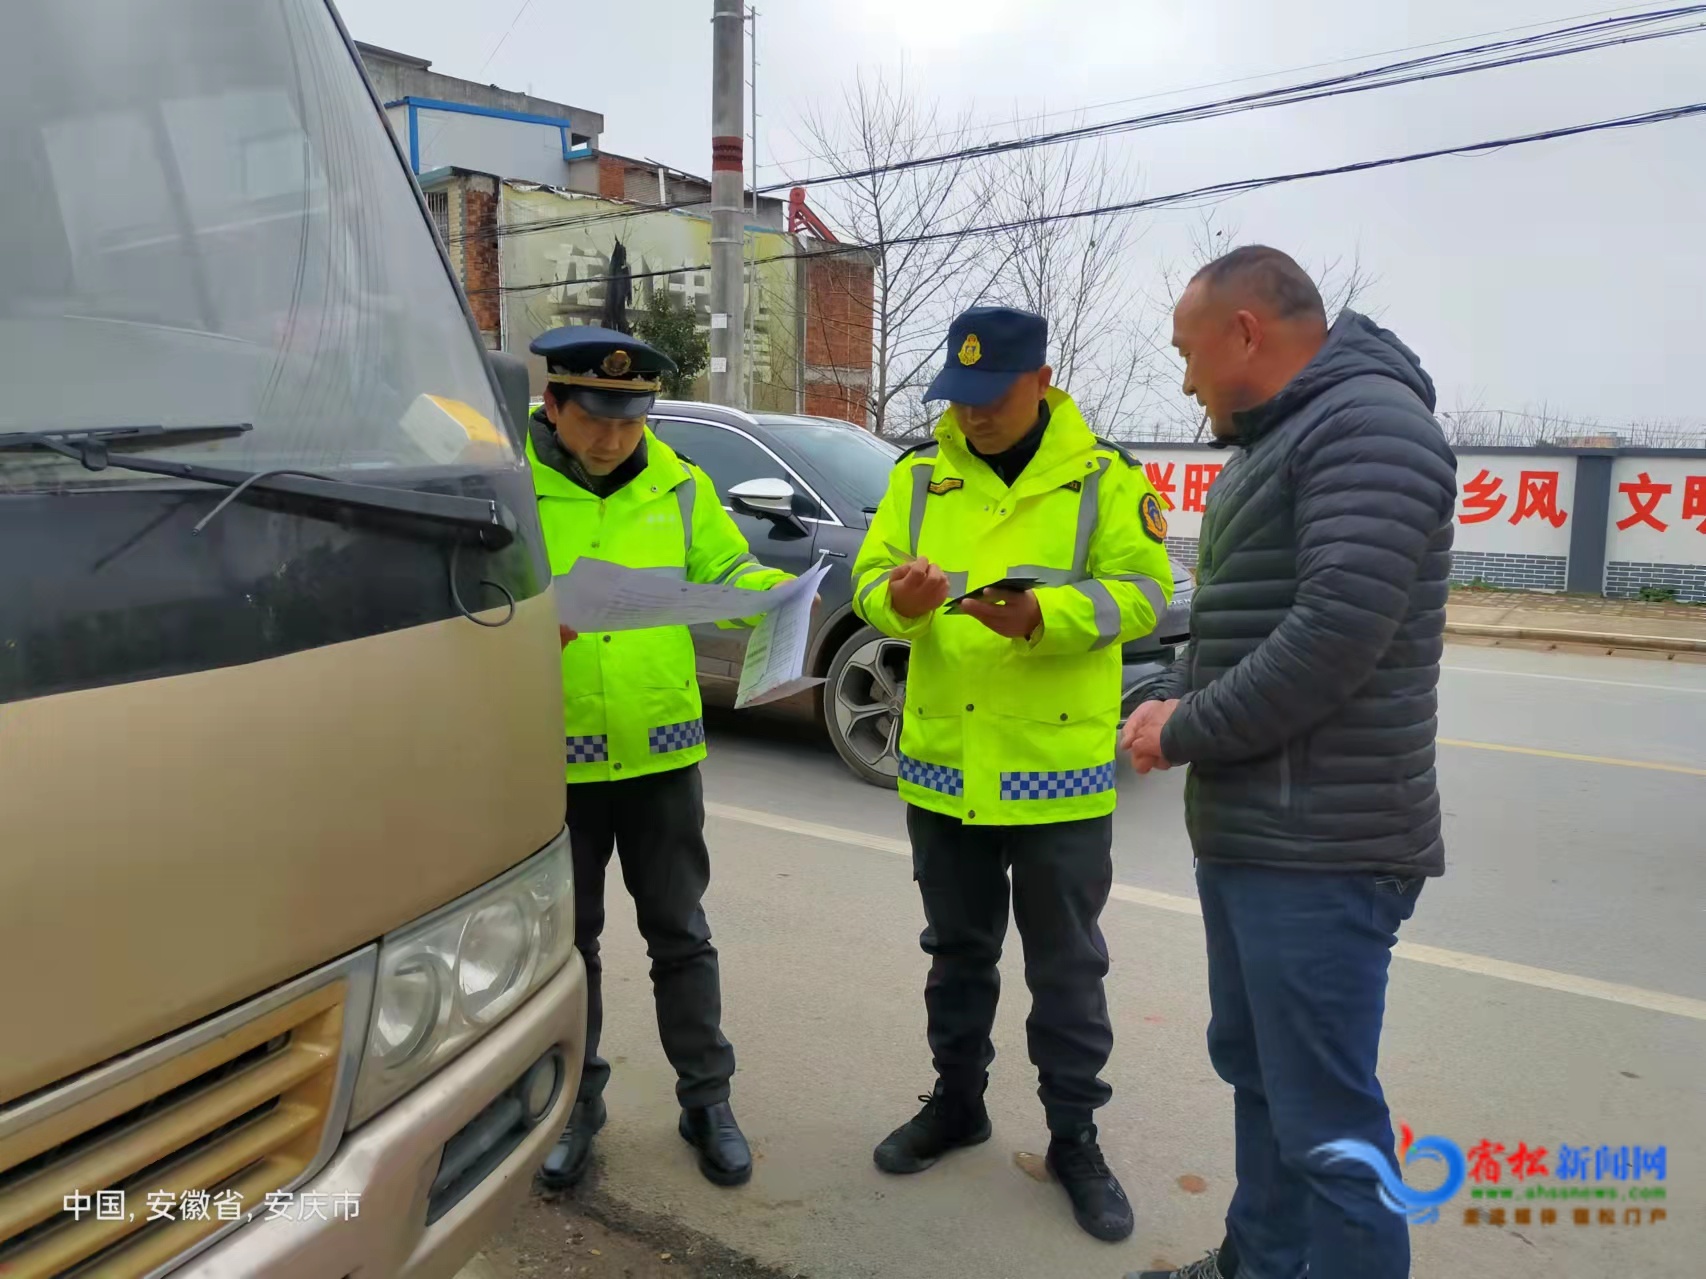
(1154, 522)
(1124, 454)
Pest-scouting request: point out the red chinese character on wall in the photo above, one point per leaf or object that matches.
(1643, 494)
(1537, 498)
(1694, 500)
(1199, 478)
(1526, 1163)
(1481, 498)
(1162, 478)
(1484, 1161)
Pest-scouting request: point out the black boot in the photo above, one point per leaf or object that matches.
(724, 1156)
(948, 1121)
(1098, 1201)
(568, 1159)
(1222, 1264)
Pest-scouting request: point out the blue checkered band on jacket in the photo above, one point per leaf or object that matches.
(936, 777)
(1063, 785)
(678, 737)
(587, 750)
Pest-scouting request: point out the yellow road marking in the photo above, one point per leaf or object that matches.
(1460, 961)
(1579, 759)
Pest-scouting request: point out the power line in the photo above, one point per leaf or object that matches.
(1598, 35)
(1219, 190)
(1245, 185)
(1249, 79)
(514, 22)
(1582, 38)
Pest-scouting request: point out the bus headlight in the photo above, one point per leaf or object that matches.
(449, 978)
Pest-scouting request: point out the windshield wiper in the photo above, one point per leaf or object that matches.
(488, 522)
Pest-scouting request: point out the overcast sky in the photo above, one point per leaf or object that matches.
(1570, 274)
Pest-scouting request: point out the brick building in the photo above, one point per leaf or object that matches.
(531, 207)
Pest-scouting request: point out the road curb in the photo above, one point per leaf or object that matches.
(1606, 639)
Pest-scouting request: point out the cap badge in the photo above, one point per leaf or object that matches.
(971, 351)
(617, 363)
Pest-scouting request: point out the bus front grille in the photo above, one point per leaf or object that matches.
(121, 1172)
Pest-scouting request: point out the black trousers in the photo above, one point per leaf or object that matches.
(1061, 876)
(656, 826)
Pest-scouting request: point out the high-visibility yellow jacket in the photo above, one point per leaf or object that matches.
(1018, 732)
(630, 698)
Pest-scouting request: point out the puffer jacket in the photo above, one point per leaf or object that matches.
(1309, 695)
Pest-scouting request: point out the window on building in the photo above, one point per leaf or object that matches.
(438, 204)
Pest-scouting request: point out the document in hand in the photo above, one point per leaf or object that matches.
(596, 595)
(776, 654)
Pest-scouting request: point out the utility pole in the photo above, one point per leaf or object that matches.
(728, 311)
(756, 287)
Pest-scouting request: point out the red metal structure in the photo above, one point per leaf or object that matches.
(800, 215)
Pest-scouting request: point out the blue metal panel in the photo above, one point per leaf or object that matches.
(495, 113)
(414, 140)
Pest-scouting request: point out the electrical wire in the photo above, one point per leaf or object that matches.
(1212, 192)
(1249, 79)
(1570, 40)
(1582, 38)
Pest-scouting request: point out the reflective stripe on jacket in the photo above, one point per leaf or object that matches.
(1017, 732)
(631, 698)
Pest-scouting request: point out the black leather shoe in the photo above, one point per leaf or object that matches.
(948, 1121)
(1098, 1201)
(724, 1156)
(568, 1159)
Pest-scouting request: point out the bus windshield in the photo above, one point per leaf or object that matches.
(203, 227)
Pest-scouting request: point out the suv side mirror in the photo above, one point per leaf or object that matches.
(768, 499)
(511, 373)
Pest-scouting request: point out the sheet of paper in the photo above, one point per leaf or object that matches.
(596, 595)
(776, 654)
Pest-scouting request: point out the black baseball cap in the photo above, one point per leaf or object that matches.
(988, 348)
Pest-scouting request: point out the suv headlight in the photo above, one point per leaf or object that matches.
(446, 980)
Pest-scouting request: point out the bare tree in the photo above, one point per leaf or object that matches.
(919, 284)
(1074, 271)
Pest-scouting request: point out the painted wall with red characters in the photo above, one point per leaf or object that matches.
(1517, 514)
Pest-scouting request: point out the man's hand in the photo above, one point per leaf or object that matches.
(916, 588)
(1141, 736)
(1015, 614)
(565, 635)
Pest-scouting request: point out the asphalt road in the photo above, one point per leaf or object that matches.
(1549, 990)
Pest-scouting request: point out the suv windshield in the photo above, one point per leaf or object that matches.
(207, 224)
(858, 462)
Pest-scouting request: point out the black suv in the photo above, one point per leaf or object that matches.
(801, 487)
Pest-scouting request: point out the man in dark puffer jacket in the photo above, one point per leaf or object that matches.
(1305, 709)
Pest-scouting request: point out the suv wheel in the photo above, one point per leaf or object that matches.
(864, 697)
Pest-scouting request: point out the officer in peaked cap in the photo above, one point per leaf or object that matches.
(1010, 727)
(633, 737)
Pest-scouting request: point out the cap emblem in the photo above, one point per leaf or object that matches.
(971, 350)
(617, 363)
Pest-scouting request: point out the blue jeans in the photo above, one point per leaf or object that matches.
(1297, 966)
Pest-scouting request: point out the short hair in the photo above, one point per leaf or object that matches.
(1272, 277)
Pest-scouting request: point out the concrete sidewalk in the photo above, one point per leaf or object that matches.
(1578, 621)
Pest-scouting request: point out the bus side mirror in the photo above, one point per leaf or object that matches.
(511, 372)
